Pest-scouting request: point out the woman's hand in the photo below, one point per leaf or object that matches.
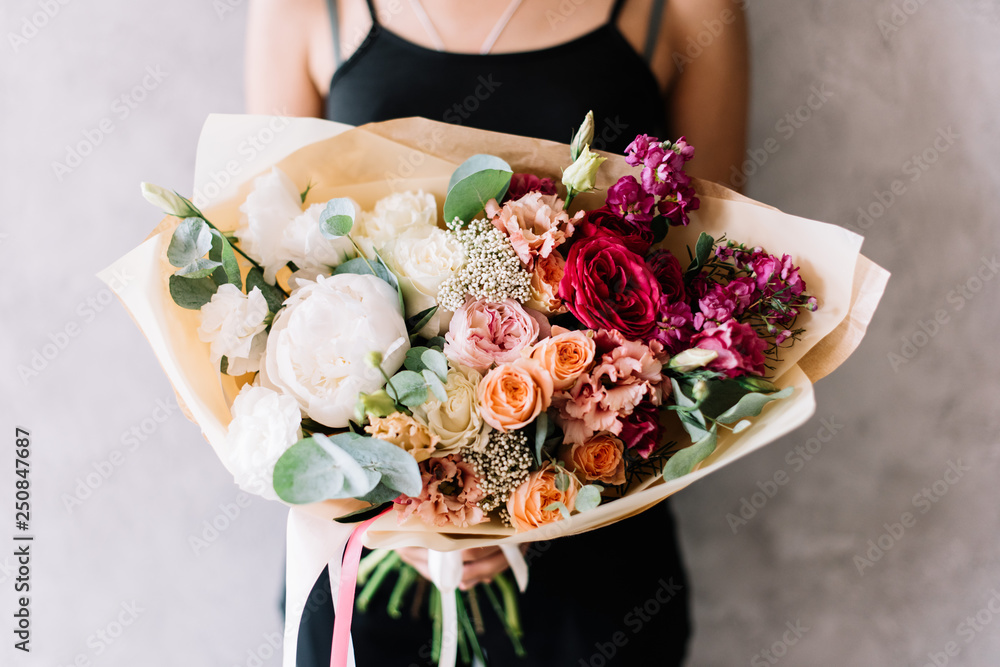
(478, 565)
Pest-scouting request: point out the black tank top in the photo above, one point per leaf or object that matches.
(531, 93)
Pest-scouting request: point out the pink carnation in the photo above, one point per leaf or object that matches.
(450, 494)
(536, 224)
(627, 373)
(482, 333)
(741, 350)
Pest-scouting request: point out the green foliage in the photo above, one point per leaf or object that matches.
(191, 293)
(408, 388)
(588, 498)
(702, 253)
(337, 218)
(275, 297)
(477, 180)
(191, 240)
(345, 465)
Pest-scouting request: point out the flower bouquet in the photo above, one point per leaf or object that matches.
(450, 338)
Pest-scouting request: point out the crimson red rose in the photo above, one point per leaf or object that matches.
(741, 350)
(668, 273)
(607, 286)
(637, 236)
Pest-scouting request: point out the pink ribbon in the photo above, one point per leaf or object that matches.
(345, 595)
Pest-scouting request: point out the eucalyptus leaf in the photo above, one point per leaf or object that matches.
(382, 493)
(412, 361)
(477, 180)
(275, 297)
(562, 480)
(702, 253)
(751, 406)
(191, 293)
(686, 459)
(436, 362)
(191, 240)
(222, 252)
(557, 506)
(408, 388)
(316, 468)
(435, 385)
(337, 218)
(588, 498)
(199, 268)
(396, 467)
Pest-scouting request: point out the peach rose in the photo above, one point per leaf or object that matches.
(566, 355)
(406, 433)
(528, 502)
(512, 395)
(598, 460)
(545, 280)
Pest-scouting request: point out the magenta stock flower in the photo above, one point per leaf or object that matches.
(674, 326)
(629, 200)
(741, 350)
(607, 286)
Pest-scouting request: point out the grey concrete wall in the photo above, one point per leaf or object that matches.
(122, 550)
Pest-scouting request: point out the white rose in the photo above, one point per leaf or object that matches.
(394, 215)
(457, 421)
(275, 230)
(265, 424)
(317, 346)
(233, 322)
(422, 259)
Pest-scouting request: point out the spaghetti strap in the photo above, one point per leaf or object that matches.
(655, 18)
(616, 9)
(371, 10)
(335, 29)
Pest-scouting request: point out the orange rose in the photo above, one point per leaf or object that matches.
(512, 395)
(528, 502)
(566, 355)
(598, 460)
(545, 284)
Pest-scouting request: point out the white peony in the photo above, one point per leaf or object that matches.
(317, 346)
(275, 230)
(457, 421)
(233, 322)
(422, 259)
(394, 215)
(265, 424)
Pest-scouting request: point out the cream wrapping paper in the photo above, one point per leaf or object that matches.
(371, 161)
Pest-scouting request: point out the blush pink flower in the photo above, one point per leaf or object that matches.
(483, 333)
(626, 374)
(536, 224)
(450, 494)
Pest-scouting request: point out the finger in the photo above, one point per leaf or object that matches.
(483, 570)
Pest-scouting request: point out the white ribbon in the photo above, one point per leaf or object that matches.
(517, 564)
(312, 544)
(446, 573)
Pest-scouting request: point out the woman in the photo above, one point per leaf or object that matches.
(618, 596)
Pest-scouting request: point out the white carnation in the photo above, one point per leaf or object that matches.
(233, 322)
(317, 346)
(275, 230)
(422, 259)
(394, 215)
(265, 424)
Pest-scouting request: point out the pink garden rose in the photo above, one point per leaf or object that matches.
(482, 333)
(741, 350)
(607, 286)
(450, 494)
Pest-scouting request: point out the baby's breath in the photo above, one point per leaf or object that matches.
(492, 270)
(501, 466)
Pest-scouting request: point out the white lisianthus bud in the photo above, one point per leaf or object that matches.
(584, 136)
(689, 360)
(582, 174)
(168, 201)
(234, 323)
